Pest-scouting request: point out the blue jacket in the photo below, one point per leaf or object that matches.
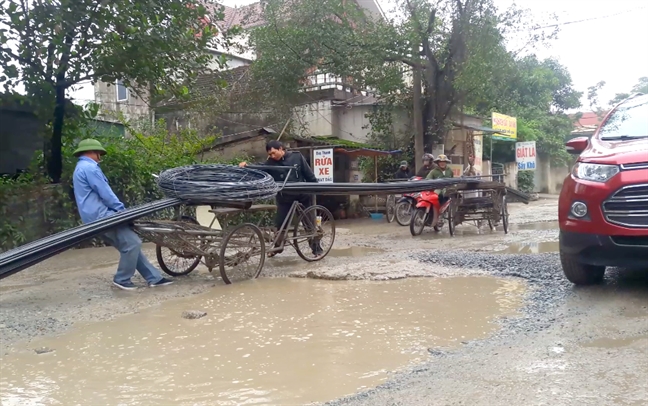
(94, 197)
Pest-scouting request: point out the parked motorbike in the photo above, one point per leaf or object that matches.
(406, 205)
(428, 212)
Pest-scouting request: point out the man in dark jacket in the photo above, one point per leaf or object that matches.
(278, 156)
(403, 172)
(427, 167)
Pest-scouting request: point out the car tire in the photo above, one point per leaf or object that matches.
(581, 274)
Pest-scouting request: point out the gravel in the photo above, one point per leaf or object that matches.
(547, 292)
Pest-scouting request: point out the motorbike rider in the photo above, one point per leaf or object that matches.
(440, 172)
(403, 172)
(428, 165)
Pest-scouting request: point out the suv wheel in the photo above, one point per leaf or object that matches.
(579, 273)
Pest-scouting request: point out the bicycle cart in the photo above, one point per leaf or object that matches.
(489, 205)
(239, 251)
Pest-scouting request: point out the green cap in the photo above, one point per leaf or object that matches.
(89, 144)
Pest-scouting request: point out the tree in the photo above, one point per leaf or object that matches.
(536, 92)
(50, 46)
(640, 87)
(455, 44)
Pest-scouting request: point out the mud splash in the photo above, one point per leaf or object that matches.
(269, 341)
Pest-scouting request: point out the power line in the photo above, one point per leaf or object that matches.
(588, 19)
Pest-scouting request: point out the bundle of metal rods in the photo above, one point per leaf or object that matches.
(32, 253)
(216, 184)
(375, 188)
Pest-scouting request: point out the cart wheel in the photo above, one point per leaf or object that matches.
(417, 222)
(451, 219)
(175, 263)
(390, 208)
(314, 245)
(505, 221)
(242, 254)
(403, 213)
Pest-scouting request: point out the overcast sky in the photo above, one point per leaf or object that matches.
(610, 46)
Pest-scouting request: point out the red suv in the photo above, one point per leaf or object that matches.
(603, 206)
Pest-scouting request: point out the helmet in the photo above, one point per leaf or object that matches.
(442, 158)
(428, 157)
(89, 144)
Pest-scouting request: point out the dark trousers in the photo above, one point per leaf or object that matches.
(284, 203)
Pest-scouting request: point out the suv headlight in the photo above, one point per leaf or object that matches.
(594, 172)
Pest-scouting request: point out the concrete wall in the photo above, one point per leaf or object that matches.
(20, 137)
(315, 119)
(549, 178)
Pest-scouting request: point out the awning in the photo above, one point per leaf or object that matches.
(488, 130)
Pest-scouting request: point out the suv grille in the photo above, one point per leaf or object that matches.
(628, 207)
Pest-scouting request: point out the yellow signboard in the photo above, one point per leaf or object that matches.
(506, 125)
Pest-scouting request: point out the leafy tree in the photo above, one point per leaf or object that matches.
(537, 93)
(50, 46)
(640, 87)
(457, 45)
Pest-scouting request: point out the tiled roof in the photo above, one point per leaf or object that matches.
(589, 118)
(245, 16)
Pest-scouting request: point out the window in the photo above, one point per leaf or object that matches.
(122, 91)
(627, 121)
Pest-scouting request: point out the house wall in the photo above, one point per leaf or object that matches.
(315, 119)
(135, 108)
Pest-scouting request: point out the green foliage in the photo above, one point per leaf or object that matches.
(52, 46)
(525, 181)
(31, 209)
(640, 87)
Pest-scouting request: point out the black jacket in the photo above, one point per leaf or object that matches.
(292, 158)
(423, 172)
(303, 173)
(401, 174)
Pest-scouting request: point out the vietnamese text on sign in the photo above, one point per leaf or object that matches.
(525, 155)
(323, 165)
(505, 125)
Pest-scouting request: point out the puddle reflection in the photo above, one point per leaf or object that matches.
(269, 341)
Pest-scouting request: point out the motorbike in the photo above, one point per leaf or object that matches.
(406, 205)
(428, 212)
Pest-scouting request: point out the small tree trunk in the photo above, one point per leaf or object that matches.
(417, 116)
(55, 161)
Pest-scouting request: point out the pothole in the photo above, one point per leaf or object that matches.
(530, 248)
(268, 341)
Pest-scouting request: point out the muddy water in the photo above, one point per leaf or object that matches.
(269, 341)
(531, 248)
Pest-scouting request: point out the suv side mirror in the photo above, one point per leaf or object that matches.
(577, 145)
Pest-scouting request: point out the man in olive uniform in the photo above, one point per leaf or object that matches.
(441, 171)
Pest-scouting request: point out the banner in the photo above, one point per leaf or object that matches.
(506, 125)
(478, 140)
(457, 169)
(323, 165)
(525, 155)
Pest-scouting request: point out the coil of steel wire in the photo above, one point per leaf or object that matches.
(217, 184)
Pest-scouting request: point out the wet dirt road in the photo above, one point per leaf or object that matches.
(513, 332)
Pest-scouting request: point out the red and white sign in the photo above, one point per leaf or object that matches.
(323, 165)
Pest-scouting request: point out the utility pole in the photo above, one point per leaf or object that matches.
(417, 115)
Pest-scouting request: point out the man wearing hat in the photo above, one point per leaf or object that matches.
(95, 200)
(439, 172)
(403, 172)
